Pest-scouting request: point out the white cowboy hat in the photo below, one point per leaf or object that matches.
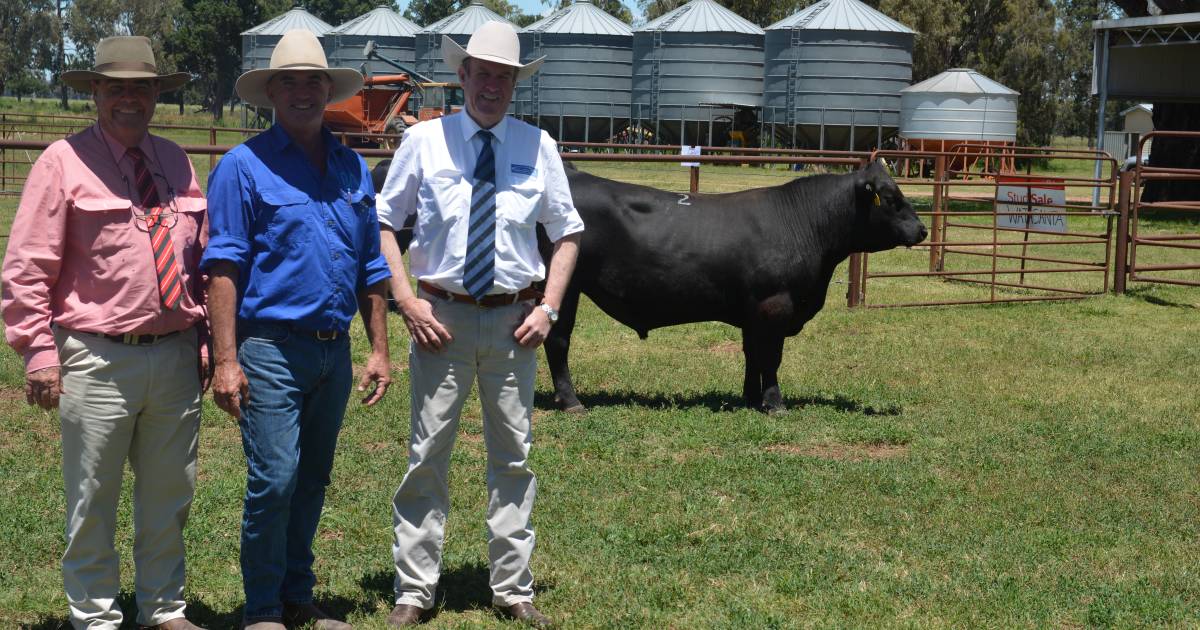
(494, 41)
(124, 57)
(298, 49)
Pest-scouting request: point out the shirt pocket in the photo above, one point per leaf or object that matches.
(521, 206)
(288, 217)
(189, 217)
(108, 221)
(443, 198)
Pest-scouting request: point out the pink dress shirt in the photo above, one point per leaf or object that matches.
(79, 258)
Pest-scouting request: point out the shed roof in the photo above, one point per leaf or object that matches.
(581, 17)
(702, 16)
(840, 15)
(297, 18)
(959, 81)
(1146, 107)
(466, 20)
(379, 22)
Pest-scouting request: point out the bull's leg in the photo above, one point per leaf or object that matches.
(752, 385)
(558, 345)
(772, 351)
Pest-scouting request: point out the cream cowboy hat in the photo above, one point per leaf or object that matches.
(124, 57)
(298, 49)
(494, 41)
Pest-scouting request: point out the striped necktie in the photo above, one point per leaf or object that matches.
(170, 285)
(480, 270)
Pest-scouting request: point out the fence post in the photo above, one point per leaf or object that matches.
(1121, 264)
(695, 184)
(935, 250)
(212, 142)
(854, 286)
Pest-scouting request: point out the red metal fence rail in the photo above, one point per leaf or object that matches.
(1139, 265)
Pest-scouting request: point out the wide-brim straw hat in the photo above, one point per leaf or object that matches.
(297, 50)
(124, 57)
(494, 41)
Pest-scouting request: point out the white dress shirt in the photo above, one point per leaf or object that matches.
(431, 175)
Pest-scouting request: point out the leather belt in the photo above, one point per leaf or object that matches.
(130, 339)
(488, 301)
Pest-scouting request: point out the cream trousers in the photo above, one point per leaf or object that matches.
(140, 403)
(483, 350)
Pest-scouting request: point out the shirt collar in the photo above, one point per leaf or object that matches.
(281, 140)
(470, 127)
(117, 150)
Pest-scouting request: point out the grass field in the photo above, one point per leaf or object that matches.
(1020, 466)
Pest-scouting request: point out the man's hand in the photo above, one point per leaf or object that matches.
(43, 387)
(379, 371)
(231, 390)
(532, 332)
(206, 372)
(423, 326)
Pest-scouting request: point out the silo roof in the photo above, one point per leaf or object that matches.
(466, 20)
(702, 16)
(959, 81)
(379, 22)
(297, 18)
(581, 17)
(840, 15)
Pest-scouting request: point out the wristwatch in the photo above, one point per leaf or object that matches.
(551, 314)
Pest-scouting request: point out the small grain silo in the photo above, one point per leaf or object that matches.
(956, 106)
(259, 42)
(833, 75)
(459, 26)
(394, 37)
(695, 70)
(582, 91)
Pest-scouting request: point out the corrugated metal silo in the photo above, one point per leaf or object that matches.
(394, 37)
(833, 75)
(582, 91)
(696, 63)
(959, 104)
(459, 26)
(259, 42)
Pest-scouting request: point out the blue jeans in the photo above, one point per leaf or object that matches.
(298, 391)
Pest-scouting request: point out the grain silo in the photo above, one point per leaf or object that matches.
(394, 37)
(956, 106)
(459, 26)
(581, 92)
(696, 69)
(833, 76)
(259, 42)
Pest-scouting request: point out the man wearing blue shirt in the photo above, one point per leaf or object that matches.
(293, 252)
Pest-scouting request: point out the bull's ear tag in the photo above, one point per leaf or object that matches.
(876, 199)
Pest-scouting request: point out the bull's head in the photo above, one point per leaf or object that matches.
(885, 218)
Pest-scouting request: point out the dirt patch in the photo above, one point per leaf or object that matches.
(12, 394)
(727, 347)
(375, 447)
(332, 534)
(843, 452)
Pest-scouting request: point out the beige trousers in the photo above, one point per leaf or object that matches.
(483, 350)
(140, 403)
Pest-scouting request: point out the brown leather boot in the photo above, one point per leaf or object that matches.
(526, 613)
(404, 615)
(300, 615)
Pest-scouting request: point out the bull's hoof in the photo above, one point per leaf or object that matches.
(775, 410)
(569, 405)
(576, 409)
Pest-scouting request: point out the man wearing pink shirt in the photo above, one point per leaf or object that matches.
(101, 296)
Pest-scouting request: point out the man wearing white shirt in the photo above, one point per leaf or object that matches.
(479, 183)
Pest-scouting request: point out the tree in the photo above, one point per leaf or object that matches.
(207, 42)
(28, 30)
(426, 12)
(341, 11)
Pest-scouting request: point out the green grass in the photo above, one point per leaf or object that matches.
(1021, 466)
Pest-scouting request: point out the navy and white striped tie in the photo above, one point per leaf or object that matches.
(480, 270)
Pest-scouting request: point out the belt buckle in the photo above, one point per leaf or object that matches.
(130, 339)
(321, 335)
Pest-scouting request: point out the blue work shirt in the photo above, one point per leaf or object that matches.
(304, 244)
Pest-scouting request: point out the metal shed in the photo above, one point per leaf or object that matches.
(694, 68)
(582, 92)
(259, 42)
(459, 26)
(833, 75)
(394, 37)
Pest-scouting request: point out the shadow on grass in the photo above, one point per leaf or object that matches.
(460, 589)
(1146, 294)
(715, 401)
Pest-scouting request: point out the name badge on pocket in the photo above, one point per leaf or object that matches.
(523, 169)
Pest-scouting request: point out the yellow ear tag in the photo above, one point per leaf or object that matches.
(877, 199)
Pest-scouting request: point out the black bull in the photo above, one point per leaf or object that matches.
(760, 260)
